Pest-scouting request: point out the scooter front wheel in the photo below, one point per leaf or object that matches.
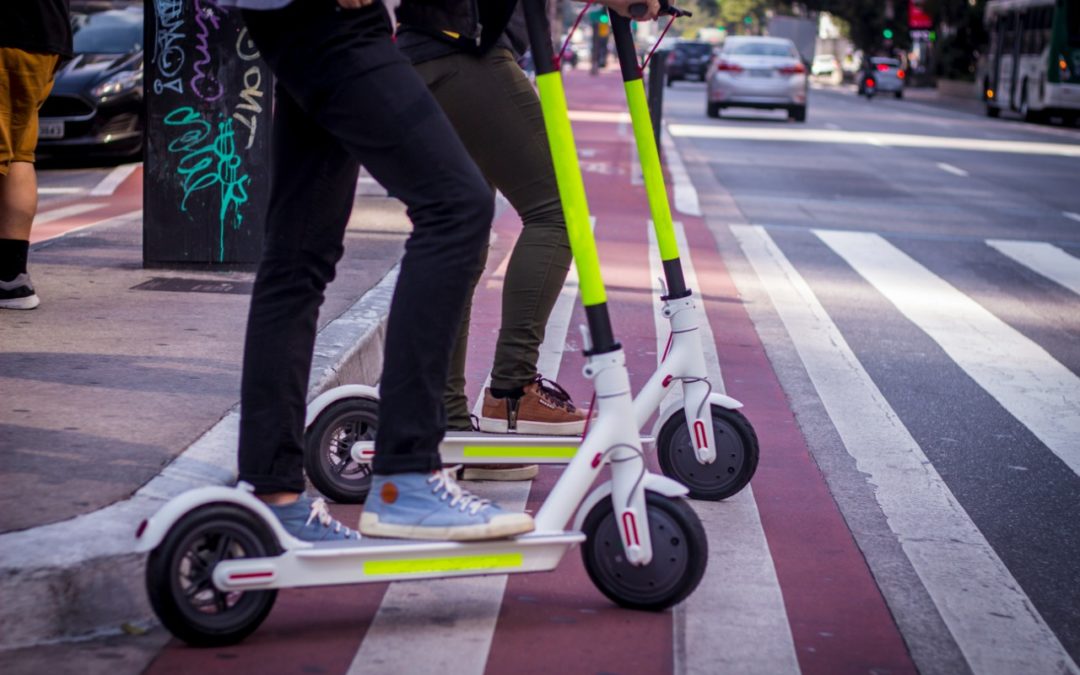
(680, 551)
(736, 454)
(179, 576)
(328, 443)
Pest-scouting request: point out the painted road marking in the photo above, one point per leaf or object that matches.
(65, 212)
(992, 620)
(61, 190)
(757, 638)
(1026, 380)
(685, 195)
(858, 137)
(1072, 216)
(113, 180)
(1044, 259)
(949, 168)
(448, 624)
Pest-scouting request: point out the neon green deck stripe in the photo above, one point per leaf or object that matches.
(650, 169)
(465, 563)
(536, 452)
(571, 187)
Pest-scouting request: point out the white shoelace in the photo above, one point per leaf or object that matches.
(443, 481)
(322, 514)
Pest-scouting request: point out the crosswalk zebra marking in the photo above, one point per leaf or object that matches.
(448, 624)
(990, 617)
(1043, 259)
(757, 638)
(66, 212)
(1027, 381)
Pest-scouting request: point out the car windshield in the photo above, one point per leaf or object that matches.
(760, 49)
(892, 63)
(111, 32)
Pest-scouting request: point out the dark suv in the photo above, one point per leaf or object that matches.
(688, 61)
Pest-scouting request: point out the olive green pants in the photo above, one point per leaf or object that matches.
(496, 112)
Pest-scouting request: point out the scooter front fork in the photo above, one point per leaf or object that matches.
(686, 358)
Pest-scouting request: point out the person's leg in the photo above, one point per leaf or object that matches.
(510, 117)
(25, 79)
(344, 73)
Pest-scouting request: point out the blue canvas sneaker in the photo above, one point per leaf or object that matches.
(434, 506)
(308, 519)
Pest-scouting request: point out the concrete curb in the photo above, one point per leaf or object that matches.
(82, 577)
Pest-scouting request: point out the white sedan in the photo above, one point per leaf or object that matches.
(758, 72)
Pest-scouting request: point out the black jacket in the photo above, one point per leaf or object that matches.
(474, 25)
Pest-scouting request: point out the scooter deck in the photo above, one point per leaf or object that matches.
(379, 560)
(478, 447)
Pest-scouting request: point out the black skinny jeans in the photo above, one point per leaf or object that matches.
(346, 97)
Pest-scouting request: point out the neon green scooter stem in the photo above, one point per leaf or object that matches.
(653, 174)
(571, 187)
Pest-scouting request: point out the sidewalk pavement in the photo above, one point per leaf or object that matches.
(120, 391)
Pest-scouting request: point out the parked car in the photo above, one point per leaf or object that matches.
(758, 72)
(881, 75)
(96, 103)
(688, 60)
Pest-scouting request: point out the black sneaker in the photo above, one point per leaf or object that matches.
(18, 293)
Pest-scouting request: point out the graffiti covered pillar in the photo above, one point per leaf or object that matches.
(206, 176)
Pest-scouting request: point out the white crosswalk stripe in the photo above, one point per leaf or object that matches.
(757, 638)
(1034, 387)
(1042, 258)
(989, 615)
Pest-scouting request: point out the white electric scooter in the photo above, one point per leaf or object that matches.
(218, 555)
(702, 441)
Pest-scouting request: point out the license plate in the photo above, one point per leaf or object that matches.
(760, 72)
(50, 128)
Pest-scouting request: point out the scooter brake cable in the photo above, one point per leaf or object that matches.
(640, 455)
(570, 34)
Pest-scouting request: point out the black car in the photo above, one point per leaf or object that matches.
(96, 103)
(688, 61)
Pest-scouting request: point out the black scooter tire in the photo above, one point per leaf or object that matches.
(737, 453)
(328, 444)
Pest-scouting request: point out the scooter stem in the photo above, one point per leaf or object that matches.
(648, 155)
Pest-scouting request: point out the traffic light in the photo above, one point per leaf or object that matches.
(887, 33)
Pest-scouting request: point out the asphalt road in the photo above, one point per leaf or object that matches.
(943, 249)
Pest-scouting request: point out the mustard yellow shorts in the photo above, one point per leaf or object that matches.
(25, 81)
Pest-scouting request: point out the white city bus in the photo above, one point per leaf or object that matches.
(1033, 63)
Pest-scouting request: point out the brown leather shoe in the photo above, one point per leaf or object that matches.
(544, 408)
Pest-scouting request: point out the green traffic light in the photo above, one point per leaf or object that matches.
(604, 18)
(888, 33)
(748, 20)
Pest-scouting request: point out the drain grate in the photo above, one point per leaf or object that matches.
(182, 285)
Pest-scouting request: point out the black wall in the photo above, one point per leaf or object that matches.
(207, 164)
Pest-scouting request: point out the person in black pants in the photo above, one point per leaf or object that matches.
(346, 97)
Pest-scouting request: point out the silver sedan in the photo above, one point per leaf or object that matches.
(758, 72)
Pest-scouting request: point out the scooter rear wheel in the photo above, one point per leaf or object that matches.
(736, 454)
(328, 444)
(179, 576)
(680, 552)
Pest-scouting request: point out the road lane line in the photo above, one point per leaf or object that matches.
(65, 212)
(113, 180)
(949, 168)
(448, 624)
(740, 572)
(860, 137)
(685, 195)
(1044, 259)
(61, 190)
(1072, 216)
(1029, 383)
(990, 617)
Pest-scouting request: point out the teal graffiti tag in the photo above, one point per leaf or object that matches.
(207, 160)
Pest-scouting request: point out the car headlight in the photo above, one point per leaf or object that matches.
(117, 84)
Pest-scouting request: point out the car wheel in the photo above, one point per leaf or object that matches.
(798, 113)
(992, 111)
(900, 94)
(712, 110)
